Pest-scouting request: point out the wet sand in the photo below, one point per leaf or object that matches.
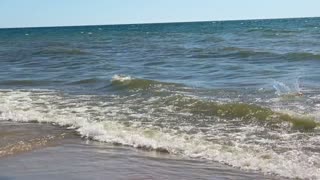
(70, 157)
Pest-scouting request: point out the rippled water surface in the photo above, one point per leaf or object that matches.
(240, 93)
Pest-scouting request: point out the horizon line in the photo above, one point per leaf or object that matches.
(150, 23)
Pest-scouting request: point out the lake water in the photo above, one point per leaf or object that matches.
(243, 95)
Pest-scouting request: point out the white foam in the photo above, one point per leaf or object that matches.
(107, 122)
(121, 78)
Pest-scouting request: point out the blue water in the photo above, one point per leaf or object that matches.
(222, 91)
(234, 54)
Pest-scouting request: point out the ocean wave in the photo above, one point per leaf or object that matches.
(60, 51)
(24, 82)
(244, 52)
(86, 81)
(244, 156)
(244, 112)
(234, 52)
(302, 56)
(274, 31)
(119, 120)
(128, 82)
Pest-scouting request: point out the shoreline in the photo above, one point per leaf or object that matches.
(72, 157)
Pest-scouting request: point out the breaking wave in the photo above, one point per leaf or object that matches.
(180, 125)
(128, 82)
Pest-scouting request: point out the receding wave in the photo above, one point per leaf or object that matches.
(28, 145)
(181, 125)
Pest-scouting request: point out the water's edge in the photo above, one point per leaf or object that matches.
(76, 156)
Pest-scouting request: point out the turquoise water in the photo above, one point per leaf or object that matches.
(241, 93)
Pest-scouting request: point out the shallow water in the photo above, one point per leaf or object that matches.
(240, 93)
(17, 138)
(78, 159)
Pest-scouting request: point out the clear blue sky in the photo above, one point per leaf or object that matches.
(26, 13)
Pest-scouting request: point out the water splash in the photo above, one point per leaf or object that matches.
(283, 89)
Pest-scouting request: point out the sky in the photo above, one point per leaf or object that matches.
(37, 13)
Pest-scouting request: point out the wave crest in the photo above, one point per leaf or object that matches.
(128, 82)
(242, 111)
